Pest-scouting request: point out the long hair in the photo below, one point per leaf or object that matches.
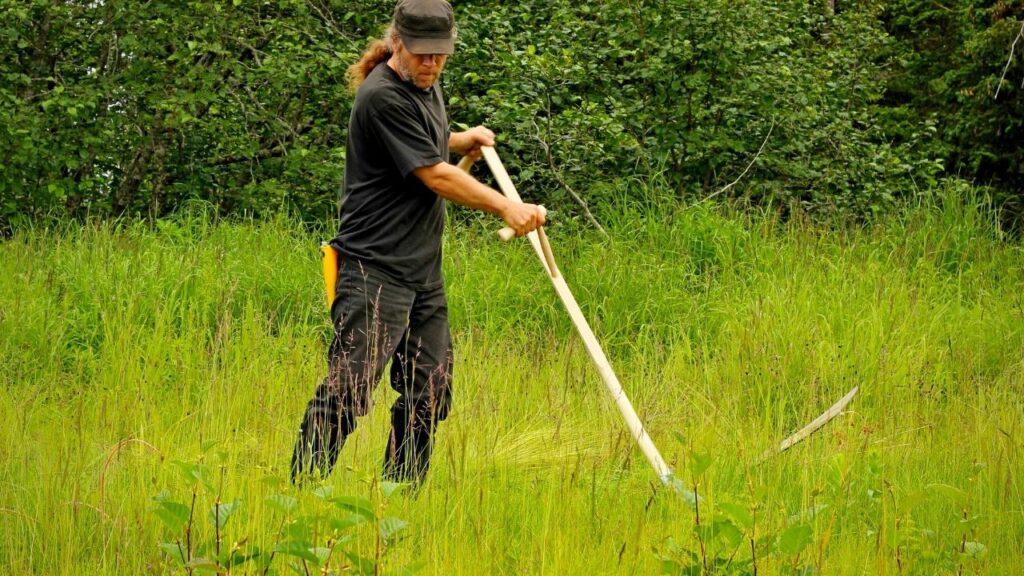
(378, 51)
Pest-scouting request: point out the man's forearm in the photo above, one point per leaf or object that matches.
(453, 184)
(450, 183)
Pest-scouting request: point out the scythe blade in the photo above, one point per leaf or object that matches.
(814, 425)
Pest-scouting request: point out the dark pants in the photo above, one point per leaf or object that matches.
(375, 320)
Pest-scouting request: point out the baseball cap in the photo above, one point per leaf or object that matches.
(426, 26)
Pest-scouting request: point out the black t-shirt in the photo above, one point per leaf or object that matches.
(389, 218)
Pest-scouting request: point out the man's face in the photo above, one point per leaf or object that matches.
(420, 69)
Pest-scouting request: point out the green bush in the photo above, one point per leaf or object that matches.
(119, 107)
(957, 65)
(690, 91)
(115, 107)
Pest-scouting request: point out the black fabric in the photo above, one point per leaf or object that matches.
(426, 26)
(377, 319)
(388, 216)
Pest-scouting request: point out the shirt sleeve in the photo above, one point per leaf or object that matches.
(404, 135)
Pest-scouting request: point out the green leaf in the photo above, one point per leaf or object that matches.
(969, 522)
(174, 551)
(356, 504)
(794, 539)
(282, 503)
(341, 524)
(738, 513)
(302, 527)
(808, 514)
(699, 463)
(363, 566)
(298, 549)
(949, 492)
(195, 473)
(389, 488)
(238, 557)
(324, 492)
(974, 549)
(723, 529)
(203, 565)
(219, 514)
(173, 514)
(391, 526)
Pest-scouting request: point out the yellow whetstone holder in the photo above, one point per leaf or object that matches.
(329, 256)
(329, 262)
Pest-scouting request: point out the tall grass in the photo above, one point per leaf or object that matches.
(131, 353)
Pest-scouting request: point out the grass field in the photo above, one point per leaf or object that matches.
(152, 379)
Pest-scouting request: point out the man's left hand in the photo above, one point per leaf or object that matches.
(468, 143)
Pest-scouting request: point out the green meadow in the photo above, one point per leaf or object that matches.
(152, 378)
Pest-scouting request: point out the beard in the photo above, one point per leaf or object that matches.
(407, 73)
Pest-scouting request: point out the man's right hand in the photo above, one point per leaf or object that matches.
(523, 218)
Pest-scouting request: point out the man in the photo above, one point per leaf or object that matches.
(390, 302)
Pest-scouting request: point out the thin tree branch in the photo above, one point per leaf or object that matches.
(745, 170)
(278, 150)
(554, 172)
(1013, 46)
(579, 200)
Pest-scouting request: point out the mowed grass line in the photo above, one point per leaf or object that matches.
(128, 348)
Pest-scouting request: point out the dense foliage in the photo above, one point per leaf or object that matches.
(955, 67)
(118, 107)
